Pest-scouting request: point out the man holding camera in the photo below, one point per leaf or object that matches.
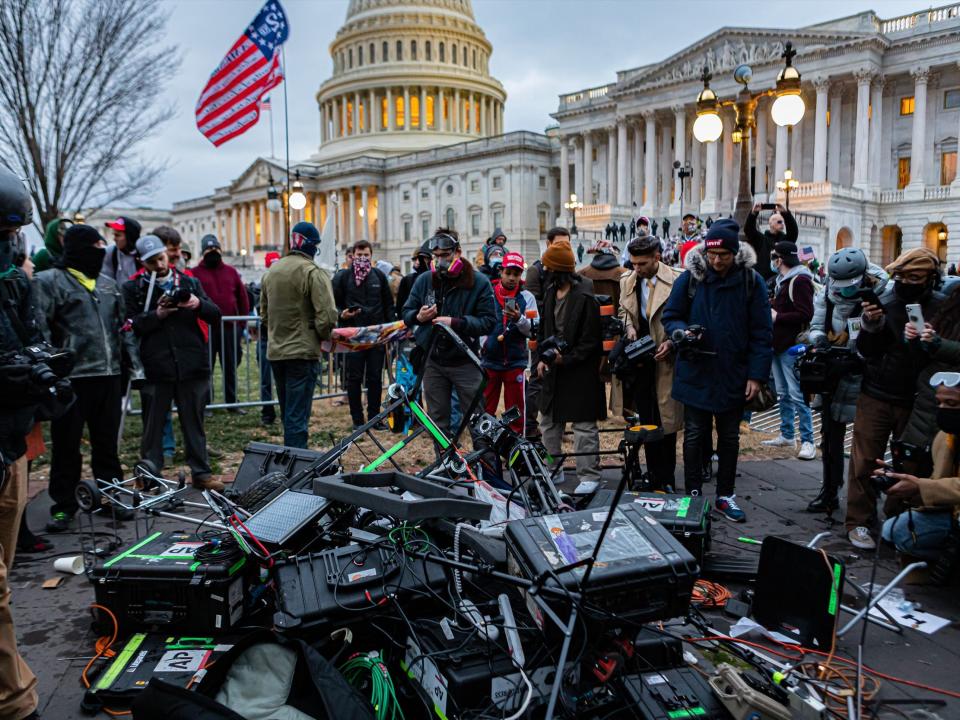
(164, 307)
(455, 295)
(781, 226)
(722, 294)
(643, 294)
(570, 350)
(83, 311)
(890, 377)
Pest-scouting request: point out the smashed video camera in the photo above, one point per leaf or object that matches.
(37, 374)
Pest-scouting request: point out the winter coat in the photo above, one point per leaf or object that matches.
(605, 272)
(373, 297)
(87, 323)
(831, 311)
(735, 313)
(505, 347)
(763, 242)
(573, 390)
(892, 364)
(942, 490)
(671, 411)
(172, 349)
(406, 284)
(793, 303)
(922, 424)
(16, 291)
(45, 257)
(468, 299)
(119, 266)
(297, 308)
(224, 286)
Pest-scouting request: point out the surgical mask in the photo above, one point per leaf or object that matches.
(495, 261)
(849, 291)
(948, 420)
(909, 293)
(774, 266)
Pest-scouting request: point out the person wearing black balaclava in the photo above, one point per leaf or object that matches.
(83, 311)
(421, 264)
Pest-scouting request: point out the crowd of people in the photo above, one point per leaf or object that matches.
(709, 323)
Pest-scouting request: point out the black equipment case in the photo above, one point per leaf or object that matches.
(687, 518)
(260, 459)
(642, 573)
(157, 582)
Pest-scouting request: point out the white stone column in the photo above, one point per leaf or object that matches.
(729, 189)
(709, 204)
(352, 217)
(456, 113)
(335, 111)
(781, 159)
(483, 115)
(955, 185)
(796, 151)
(649, 198)
(918, 145)
(423, 108)
(822, 86)
(761, 152)
(636, 191)
(877, 150)
(587, 189)
(344, 130)
(623, 164)
(252, 230)
(564, 172)
(372, 112)
(665, 157)
(391, 108)
(578, 168)
(406, 108)
(861, 157)
(381, 215)
(834, 150)
(356, 113)
(365, 220)
(612, 165)
(323, 122)
(696, 159)
(679, 152)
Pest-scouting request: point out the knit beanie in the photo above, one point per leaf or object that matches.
(80, 236)
(724, 234)
(304, 238)
(787, 252)
(558, 257)
(490, 250)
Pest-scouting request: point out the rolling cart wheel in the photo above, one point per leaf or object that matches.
(87, 495)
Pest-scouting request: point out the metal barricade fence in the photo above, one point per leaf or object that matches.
(251, 387)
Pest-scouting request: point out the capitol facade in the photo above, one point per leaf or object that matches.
(411, 138)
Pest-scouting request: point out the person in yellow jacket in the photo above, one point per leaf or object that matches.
(922, 530)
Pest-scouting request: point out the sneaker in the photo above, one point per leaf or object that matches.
(859, 537)
(207, 482)
(807, 451)
(780, 441)
(728, 506)
(59, 522)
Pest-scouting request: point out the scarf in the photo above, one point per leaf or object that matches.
(501, 293)
(88, 283)
(361, 268)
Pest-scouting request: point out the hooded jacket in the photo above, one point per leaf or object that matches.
(793, 303)
(468, 299)
(605, 271)
(119, 265)
(735, 313)
(505, 347)
(45, 257)
(224, 286)
(763, 242)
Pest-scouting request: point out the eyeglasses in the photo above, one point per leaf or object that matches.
(949, 379)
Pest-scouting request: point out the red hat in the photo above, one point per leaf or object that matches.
(119, 224)
(271, 258)
(514, 260)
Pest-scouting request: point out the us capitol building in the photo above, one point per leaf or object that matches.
(411, 137)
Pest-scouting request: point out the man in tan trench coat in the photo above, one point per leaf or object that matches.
(643, 293)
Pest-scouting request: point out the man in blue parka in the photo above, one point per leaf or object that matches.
(720, 291)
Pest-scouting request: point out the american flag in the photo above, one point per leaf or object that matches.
(806, 253)
(230, 103)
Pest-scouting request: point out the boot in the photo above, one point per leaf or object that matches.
(206, 482)
(826, 500)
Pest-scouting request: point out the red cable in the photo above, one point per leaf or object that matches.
(877, 673)
(236, 520)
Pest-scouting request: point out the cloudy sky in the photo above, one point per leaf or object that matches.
(541, 48)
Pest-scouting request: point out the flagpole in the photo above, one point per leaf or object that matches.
(286, 132)
(272, 153)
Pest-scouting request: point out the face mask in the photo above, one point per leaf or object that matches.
(909, 293)
(88, 260)
(849, 291)
(447, 266)
(496, 261)
(213, 260)
(948, 420)
(774, 266)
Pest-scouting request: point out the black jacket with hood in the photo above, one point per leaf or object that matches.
(763, 242)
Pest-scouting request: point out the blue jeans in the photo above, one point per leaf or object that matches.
(267, 412)
(930, 532)
(791, 399)
(296, 380)
(169, 442)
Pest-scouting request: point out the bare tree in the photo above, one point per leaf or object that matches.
(80, 90)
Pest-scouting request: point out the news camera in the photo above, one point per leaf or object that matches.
(34, 373)
(820, 369)
(626, 358)
(551, 348)
(176, 295)
(690, 342)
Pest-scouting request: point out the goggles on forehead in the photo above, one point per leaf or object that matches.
(443, 242)
(950, 379)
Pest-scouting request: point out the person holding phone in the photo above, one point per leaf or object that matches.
(781, 226)
(891, 372)
(505, 353)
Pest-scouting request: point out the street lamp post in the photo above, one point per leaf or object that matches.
(572, 206)
(787, 185)
(787, 110)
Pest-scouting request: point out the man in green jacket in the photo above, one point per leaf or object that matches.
(298, 310)
(45, 257)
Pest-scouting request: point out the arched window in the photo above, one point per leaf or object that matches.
(399, 50)
(413, 49)
(453, 54)
(385, 55)
(464, 55)
(429, 54)
(373, 57)
(474, 59)
(442, 58)
(450, 219)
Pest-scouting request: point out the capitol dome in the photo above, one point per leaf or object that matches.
(407, 75)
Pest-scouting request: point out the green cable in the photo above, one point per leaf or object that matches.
(357, 669)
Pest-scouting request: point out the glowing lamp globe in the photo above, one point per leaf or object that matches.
(298, 201)
(707, 127)
(787, 110)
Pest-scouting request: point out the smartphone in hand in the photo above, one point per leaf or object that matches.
(915, 316)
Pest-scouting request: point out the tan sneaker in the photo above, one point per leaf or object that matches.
(208, 482)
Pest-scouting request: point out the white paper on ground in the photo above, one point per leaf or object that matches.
(745, 627)
(586, 487)
(913, 619)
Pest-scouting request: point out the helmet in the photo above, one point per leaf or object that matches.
(15, 204)
(846, 267)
